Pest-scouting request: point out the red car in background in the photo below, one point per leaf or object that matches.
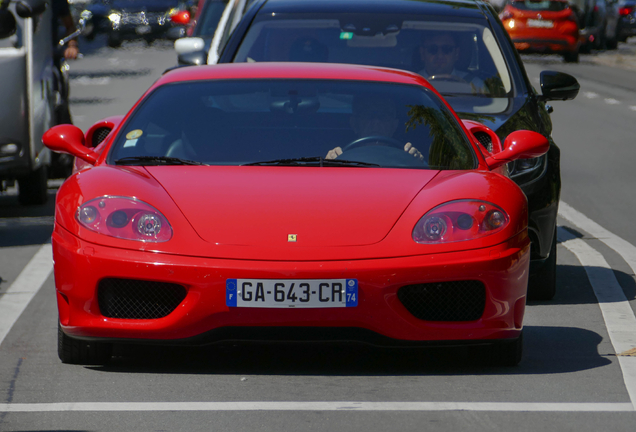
(214, 212)
(545, 26)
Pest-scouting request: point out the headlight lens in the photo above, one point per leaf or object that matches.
(460, 221)
(524, 166)
(125, 218)
(114, 17)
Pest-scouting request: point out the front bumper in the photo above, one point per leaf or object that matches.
(203, 316)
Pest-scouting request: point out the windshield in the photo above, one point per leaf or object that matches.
(542, 5)
(458, 58)
(294, 122)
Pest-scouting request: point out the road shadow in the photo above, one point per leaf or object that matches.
(547, 350)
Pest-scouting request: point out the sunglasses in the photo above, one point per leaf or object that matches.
(434, 49)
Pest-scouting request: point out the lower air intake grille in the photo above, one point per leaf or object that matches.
(445, 301)
(136, 299)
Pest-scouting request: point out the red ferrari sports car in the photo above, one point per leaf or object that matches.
(273, 201)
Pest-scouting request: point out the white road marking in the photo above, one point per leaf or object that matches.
(619, 317)
(590, 95)
(315, 406)
(623, 247)
(612, 101)
(632, 107)
(23, 289)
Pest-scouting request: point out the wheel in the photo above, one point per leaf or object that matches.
(507, 354)
(542, 284)
(612, 44)
(33, 188)
(114, 41)
(61, 165)
(75, 351)
(571, 57)
(382, 140)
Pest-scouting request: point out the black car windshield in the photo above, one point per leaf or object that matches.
(460, 58)
(293, 123)
(541, 5)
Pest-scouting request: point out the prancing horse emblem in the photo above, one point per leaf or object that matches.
(291, 237)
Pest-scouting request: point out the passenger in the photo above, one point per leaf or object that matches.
(374, 116)
(307, 49)
(439, 53)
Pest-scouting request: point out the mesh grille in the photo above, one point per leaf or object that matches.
(100, 135)
(445, 301)
(484, 140)
(135, 299)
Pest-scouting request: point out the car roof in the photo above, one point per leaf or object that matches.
(273, 70)
(466, 8)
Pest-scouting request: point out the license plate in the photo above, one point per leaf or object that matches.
(291, 293)
(143, 29)
(540, 23)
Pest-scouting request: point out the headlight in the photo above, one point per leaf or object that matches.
(459, 221)
(521, 167)
(114, 17)
(125, 218)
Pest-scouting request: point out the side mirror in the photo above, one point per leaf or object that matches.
(181, 17)
(558, 86)
(8, 25)
(188, 45)
(521, 144)
(69, 139)
(30, 8)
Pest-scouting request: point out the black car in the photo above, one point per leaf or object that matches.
(136, 19)
(598, 23)
(627, 22)
(488, 82)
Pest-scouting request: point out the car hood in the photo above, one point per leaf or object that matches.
(264, 206)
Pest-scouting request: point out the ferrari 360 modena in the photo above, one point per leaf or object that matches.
(290, 202)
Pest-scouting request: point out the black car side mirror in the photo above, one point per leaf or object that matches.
(30, 8)
(558, 86)
(8, 25)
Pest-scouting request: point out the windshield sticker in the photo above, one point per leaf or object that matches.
(130, 143)
(133, 135)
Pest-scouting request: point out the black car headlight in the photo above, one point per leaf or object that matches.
(525, 170)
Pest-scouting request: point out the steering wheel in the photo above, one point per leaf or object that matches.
(447, 77)
(383, 140)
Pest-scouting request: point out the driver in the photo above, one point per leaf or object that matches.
(439, 53)
(374, 116)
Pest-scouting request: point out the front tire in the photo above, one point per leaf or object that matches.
(501, 354)
(571, 57)
(542, 284)
(33, 187)
(75, 351)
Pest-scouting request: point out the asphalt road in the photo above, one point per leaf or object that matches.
(576, 374)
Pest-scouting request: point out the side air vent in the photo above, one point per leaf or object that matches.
(100, 135)
(484, 139)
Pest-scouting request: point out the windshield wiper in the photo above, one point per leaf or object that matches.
(155, 160)
(312, 161)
